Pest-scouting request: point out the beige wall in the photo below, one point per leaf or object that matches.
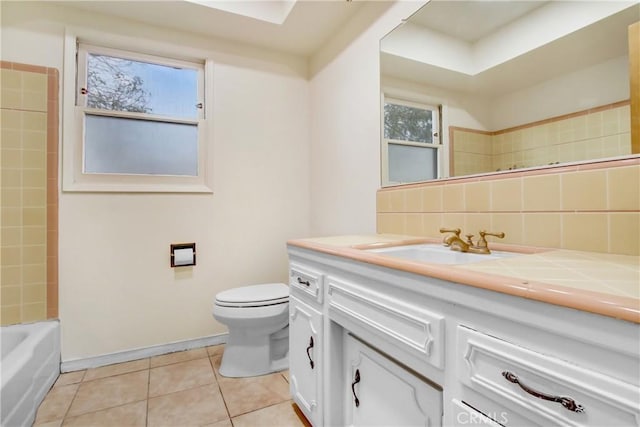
(592, 207)
(28, 235)
(117, 290)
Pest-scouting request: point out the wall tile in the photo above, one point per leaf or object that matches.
(453, 198)
(541, 193)
(414, 225)
(474, 222)
(623, 188)
(432, 199)
(10, 79)
(397, 201)
(624, 229)
(10, 275)
(10, 315)
(383, 202)
(11, 295)
(584, 190)
(432, 223)
(477, 196)
(508, 223)
(585, 231)
(413, 200)
(542, 229)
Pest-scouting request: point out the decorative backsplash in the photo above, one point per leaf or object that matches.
(29, 232)
(590, 207)
(592, 134)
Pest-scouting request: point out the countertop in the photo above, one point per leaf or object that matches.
(605, 284)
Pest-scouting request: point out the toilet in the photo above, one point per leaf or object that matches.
(257, 317)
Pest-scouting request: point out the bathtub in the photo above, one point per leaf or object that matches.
(30, 365)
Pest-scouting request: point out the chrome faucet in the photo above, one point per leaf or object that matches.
(457, 244)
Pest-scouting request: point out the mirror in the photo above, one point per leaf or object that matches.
(476, 87)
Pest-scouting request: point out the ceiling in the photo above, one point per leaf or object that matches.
(308, 24)
(460, 19)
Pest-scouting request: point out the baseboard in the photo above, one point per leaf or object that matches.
(140, 353)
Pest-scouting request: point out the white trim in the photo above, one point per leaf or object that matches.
(140, 353)
(73, 178)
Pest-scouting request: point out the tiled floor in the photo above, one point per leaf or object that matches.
(177, 389)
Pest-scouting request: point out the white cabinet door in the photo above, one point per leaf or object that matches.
(305, 363)
(379, 392)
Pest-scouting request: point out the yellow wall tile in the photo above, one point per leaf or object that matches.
(34, 216)
(541, 193)
(11, 295)
(10, 275)
(10, 79)
(10, 99)
(34, 197)
(32, 120)
(624, 229)
(11, 217)
(397, 201)
(393, 223)
(11, 119)
(34, 293)
(35, 178)
(584, 190)
(452, 220)
(34, 235)
(432, 199)
(11, 198)
(11, 159)
(453, 197)
(11, 255)
(33, 312)
(477, 196)
(432, 223)
(383, 204)
(34, 82)
(11, 236)
(34, 273)
(413, 200)
(35, 159)
(585, 231)
(11, 138)
(34, 254)
(623, 188)
(36, 101)
(508, 223)
(11, 177)
(474, 222)
(414, 226)
(34, 140)
(10, 315)
(542, 229)
(506, 195)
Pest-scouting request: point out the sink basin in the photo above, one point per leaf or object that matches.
(439, 254)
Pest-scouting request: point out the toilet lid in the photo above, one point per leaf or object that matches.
(255, 295)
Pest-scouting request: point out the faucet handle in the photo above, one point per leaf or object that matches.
(482, 242)
(469, 238)
(456, 231)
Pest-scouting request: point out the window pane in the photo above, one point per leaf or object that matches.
(142, 147)
(410, 164)
(408, 123)
(125, 85)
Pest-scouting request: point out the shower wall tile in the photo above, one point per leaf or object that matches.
(28, 239)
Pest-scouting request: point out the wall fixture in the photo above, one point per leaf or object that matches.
(183, 254)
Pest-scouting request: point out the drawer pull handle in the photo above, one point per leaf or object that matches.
(303, 282)
(567, 402)
(308, 350)
(356, 380)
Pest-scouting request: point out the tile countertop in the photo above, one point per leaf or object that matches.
(605, 284)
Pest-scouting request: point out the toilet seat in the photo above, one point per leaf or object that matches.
(254, 296)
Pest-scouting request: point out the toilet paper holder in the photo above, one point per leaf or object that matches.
(183, 254)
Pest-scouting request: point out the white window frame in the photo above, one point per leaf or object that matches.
(438, 145)
(77, 44)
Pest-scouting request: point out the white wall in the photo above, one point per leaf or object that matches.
(117, 291)
(345, 122)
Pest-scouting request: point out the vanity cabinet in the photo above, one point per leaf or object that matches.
(392, 347)
(306, 341)
(379, 391)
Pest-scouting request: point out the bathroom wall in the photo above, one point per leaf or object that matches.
(592, 134)
(29, 185)
(591, 207)
(117, 290)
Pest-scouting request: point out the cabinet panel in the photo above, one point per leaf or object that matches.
(305, 358)
(547, 390)
(406, 324)
(380, 392)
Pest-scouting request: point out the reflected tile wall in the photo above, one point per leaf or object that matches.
(592, 207)
(29, 197)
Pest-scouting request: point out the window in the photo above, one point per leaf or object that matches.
(137, 123)
(411, 142)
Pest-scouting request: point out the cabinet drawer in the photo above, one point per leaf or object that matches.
(306, 282)
(544, 389)
(404, 324)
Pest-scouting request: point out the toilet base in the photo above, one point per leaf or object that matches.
(246, 356)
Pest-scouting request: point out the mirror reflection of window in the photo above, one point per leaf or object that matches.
(412, 145)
